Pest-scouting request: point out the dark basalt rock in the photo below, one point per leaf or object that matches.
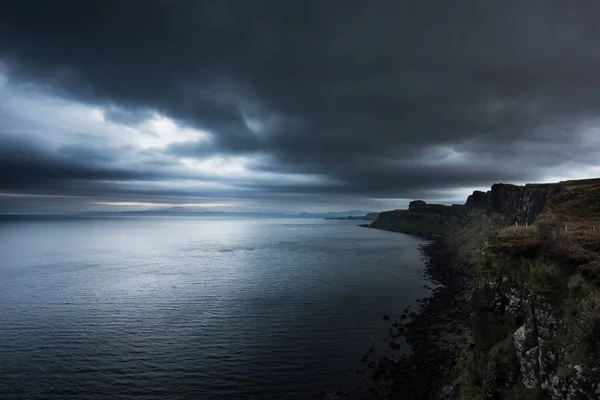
(520, 204)
(416, 204)
(478, 199)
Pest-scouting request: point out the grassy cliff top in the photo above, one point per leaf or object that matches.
(553, 266)
(578, 212)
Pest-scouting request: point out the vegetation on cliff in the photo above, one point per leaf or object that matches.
(535, 301)
(550, 273)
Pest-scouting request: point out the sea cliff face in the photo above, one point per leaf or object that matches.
(520, 346)
(520, 204)
(535, 301)
(422, 218)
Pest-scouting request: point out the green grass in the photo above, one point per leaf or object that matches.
(561, 265)
(545, 277)
(520, 392)
(469, 378)
(504, 364)
(591, 272)
(582, 328)
(504, 357)
(469, 239)
(577, 205)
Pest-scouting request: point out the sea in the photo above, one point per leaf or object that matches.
(186, 307)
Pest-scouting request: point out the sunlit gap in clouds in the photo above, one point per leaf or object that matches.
(240, 168)
(106, 154)
(161, 131)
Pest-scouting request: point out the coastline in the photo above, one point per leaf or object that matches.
(436, 331)
(532, 287)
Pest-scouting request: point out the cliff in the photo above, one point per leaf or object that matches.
(535, 301)
(422, 218)
(536, 307)
(520, 204)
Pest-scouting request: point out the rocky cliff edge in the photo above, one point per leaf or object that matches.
(535, 301)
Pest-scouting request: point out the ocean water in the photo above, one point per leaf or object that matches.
(195, 307)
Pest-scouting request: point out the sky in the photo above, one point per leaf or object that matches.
(307, 105)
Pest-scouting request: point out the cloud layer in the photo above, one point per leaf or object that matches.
(295, 104)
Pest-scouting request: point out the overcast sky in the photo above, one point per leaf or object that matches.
(292, 105)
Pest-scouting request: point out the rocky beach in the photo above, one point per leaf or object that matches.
(431, 334)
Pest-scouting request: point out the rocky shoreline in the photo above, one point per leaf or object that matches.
(435, 334)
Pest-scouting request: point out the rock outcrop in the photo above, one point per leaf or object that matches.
(506, 312)
(535, 320)
(535, 305)
(372, 215)
(422, 218)
(520, 204)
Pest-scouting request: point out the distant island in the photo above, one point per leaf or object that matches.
(372, 216)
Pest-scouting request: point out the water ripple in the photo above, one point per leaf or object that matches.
(198, 308)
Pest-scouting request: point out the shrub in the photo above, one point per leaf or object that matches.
(470, 392)
(505, 363)
(562, 246)
(469, 379)
(579, 287)
(520, 392)
(517, 241)
(549, 231)
(518, 234)
(545, 276)
(591, 271)
(577, 256)
(586, 334)
(590, 239)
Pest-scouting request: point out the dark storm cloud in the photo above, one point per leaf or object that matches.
(373, 95)
(25, 164)
(90, 167)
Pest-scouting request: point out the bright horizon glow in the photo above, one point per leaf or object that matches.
(142, 204)
(32, 195)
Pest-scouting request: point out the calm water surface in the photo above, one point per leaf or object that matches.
(203, 308)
